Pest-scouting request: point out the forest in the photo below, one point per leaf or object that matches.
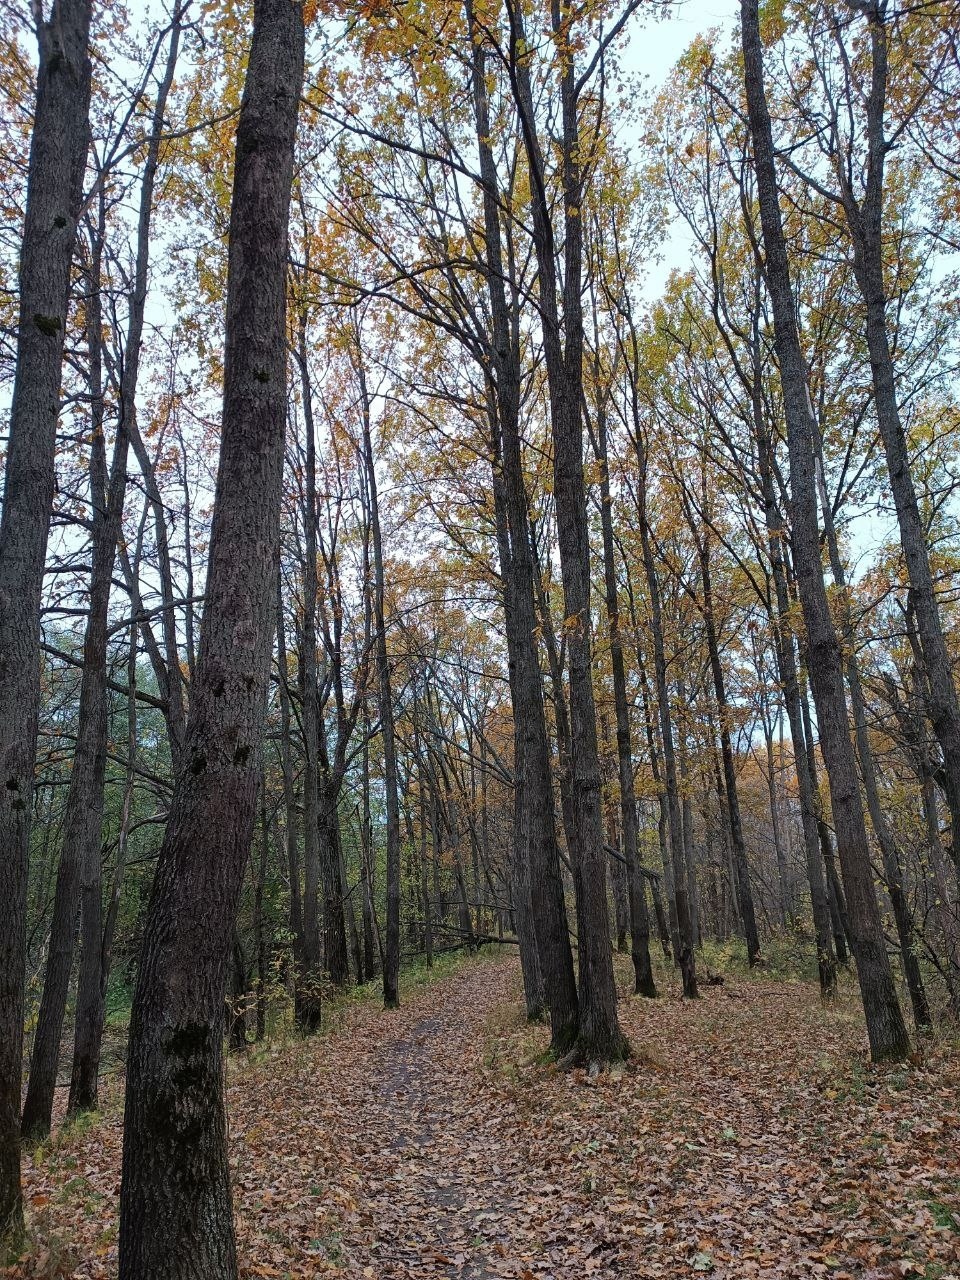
(479, 619)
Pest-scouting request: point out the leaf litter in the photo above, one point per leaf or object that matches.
(748, 1137)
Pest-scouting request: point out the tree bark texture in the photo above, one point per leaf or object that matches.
(541, 877)
(885, 1025)
(175, 1204)
(78, 874)
(599, 1036)
(58, 152)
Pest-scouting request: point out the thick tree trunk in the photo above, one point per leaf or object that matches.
(175, 1205)
(521, 909)
(836, 902)
(663, 926)
(882, 830)
(54, 185)
(885, 1025)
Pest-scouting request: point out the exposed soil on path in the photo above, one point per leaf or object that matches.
(747, 1139)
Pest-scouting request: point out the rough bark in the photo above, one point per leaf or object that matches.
(175, 1204)
(536, 872)
(883, 832)
(864, 218)
(54, 185)
(521, 902)
(885, 1025)
(599, 1037)
(83, 819)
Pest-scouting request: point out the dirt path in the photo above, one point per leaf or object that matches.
(434, 1174)
(747, 1139)
(424, 1165)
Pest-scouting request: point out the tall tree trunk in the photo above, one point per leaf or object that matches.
(308, 1001)
(96, 944)
(336, 959)
(83, 819)
(371, 947)
(786, 656)
(599, 1037)
(538, 897)
(54, 184)
(835, 897)
(175, 1205)
(885, 1025)
(685, 954)
(391, 956)
(784, 880)
(644, 984)
(259, 928)
(425, 904)
(666, 920)
(882, 830)
(686, 815)
(865, 222)
(741, 866)
(291, 824)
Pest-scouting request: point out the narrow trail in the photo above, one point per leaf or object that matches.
(747, 1139)
(435, 1174)
(430, 1178)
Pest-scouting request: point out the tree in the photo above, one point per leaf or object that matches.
(78, 875)
(885, 1026)
(175, 1169)
(54, 188)
(537, 873)
(864, 213)
(391, 954)
(599, 1037)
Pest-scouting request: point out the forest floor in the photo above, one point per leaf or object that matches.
(748, 1137)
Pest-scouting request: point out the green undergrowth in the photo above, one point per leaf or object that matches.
(337, 1003)
(785, 957)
